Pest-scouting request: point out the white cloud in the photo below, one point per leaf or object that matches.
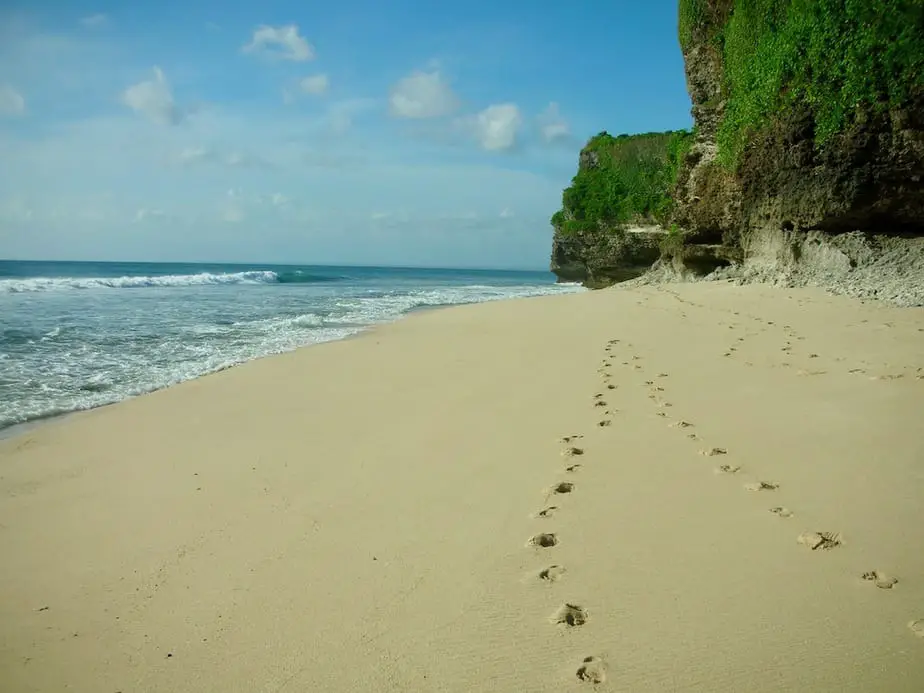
(316, 84)
(283, 42)
(422, 95)
(153, 99)
(552, 126)
(95, 21)
(12, 102)
(145, 214)
(506, 213)
(496, 127)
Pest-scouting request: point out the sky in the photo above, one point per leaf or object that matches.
(353, 132)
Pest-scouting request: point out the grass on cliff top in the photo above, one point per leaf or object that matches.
(836, 57)
(631, 181)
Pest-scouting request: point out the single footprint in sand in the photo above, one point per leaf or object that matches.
(572, 468)
(547, 512)
(551, 574)
(599, 395)
(599, 403)
(820, 540)
(649, 382)
(660, 413)
(781, 511)
(917, 627)
(593, 669)
(562, 487)
(727, 469)
(568, 439)
(604, 423)
(545, 540)
(662, 375)
(880, 579)
(680, 424)
(572, 452)
(762, 486)
(712, 452)
(693, 436)
(570, 614)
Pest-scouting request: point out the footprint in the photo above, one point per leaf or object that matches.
(599, 395)
(611, 387)
(604, 423)
(568, 439)
(917, 627)
(563, 486)
(662, 375)
(762, 486)
(572, 468)
(693, 436)
(820, 540)
(727, 469)
(547, 512)
(545, 540)
(570, 614)
(599, 403)
(712, 452)
(881, 580)
(781, 511)
(661, 413)
(649, 382)
(552, 574)
(680, 424)
(593, 669)
(573, 452)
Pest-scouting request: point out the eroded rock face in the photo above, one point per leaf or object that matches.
(602, 258)
(781, 210)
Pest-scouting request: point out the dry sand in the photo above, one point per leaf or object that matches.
(357, 516)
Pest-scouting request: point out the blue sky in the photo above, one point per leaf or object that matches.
(394, 133)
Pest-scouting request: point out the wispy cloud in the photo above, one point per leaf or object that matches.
(552, 126)
(280, 42)
(422, 95)
(315, 84)
(153, 99)
(95, 21)
(12, 103)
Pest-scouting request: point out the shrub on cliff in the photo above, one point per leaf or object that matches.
(836, 58)
(622, 179)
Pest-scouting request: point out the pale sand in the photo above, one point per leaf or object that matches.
(356, 516)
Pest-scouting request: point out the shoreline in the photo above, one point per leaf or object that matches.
(18, 429)
(404, 506)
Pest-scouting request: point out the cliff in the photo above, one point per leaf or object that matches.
(807, 162)
(609, 227)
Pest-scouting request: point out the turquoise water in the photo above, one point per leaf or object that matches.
(77, 335)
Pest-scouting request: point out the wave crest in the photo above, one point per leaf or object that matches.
(36, 284)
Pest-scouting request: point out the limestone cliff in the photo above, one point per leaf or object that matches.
(809, 125)
(807, 160)
(608, 229)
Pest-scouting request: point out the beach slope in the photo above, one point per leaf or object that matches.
(742, 508)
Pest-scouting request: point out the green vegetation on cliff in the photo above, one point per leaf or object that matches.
(835, 58)
(622, 179)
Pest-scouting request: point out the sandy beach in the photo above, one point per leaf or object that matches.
(739, 507)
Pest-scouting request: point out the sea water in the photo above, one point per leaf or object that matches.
(78, 335)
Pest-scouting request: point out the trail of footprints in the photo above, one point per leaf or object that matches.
(593, 668)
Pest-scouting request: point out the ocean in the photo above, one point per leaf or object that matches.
(78, 335)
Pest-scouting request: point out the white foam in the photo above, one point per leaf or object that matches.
(34, 284)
